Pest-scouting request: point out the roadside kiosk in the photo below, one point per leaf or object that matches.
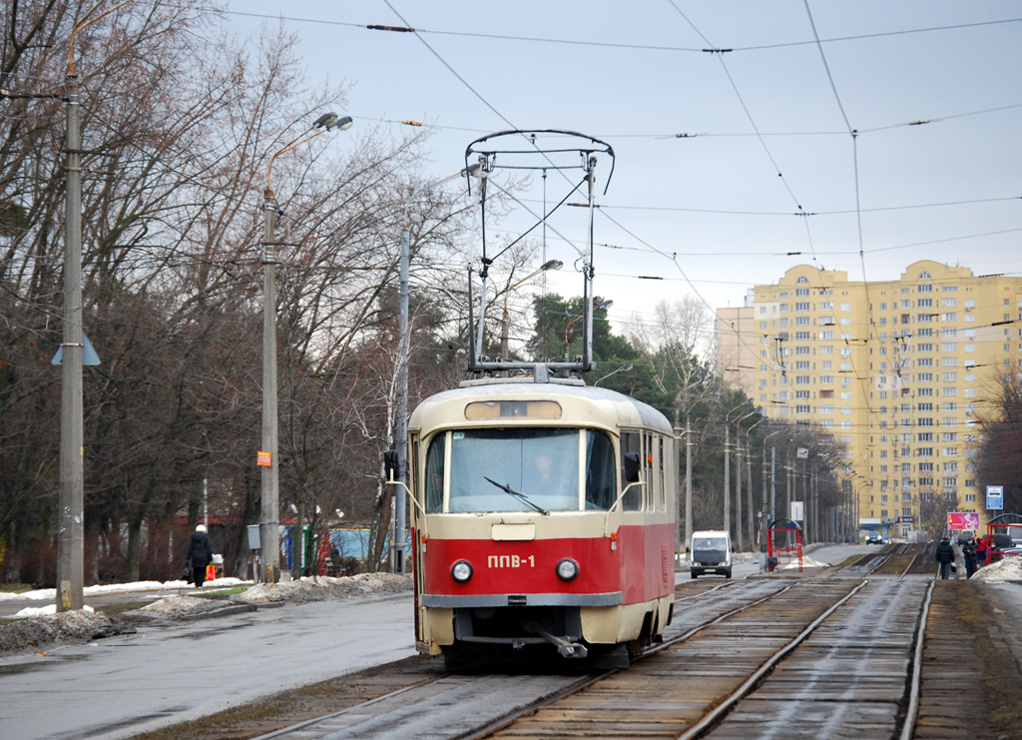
(784, 543)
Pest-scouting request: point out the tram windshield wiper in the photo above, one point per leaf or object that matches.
(518, 495)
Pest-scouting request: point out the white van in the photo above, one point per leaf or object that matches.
(710, 553)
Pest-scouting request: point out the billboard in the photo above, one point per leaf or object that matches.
(963, 520)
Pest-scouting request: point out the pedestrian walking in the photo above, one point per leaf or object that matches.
(969, 553)
(945, 556)
(200, 554)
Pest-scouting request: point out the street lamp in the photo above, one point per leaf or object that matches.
(397, 560)
(269, 521)
(549, 265)
(727, 463)
(602, 304)
(622, 369)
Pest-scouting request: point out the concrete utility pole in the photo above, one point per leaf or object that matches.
(748, 491)
(727, 477)
(773, 485)
(71, 514)
(738, 488)
(269, 509)
(688, 483)
(397, 546)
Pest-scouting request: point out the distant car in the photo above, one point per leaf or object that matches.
(874, 539)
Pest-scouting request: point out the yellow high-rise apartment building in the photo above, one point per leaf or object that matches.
(896, 371)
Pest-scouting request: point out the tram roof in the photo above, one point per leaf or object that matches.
(579, 400)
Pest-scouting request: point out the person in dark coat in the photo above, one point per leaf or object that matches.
(200, 554)
(945, 556)
(969, 551)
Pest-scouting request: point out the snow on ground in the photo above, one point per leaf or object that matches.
(317, 588)
(1009, 569)
(50, 594)
(39, 626)
(38, 611)
(807, 562)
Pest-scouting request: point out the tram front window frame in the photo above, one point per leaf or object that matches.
(531, 469)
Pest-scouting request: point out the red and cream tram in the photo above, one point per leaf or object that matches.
(543, 516)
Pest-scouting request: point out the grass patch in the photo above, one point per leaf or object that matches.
(16, 588)
(223, 591)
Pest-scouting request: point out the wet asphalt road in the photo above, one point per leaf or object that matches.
(121, 686)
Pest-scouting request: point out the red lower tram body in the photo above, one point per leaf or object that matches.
(527, 586)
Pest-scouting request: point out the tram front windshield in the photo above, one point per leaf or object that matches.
(527, 470)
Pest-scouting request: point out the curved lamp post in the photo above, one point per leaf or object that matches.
(269, 520)
(549, 265)
(397, 546)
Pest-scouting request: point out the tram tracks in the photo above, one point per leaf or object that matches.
(844, 642)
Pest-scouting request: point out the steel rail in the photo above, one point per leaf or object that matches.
(315, 720)
(909, 727)
(909, 566)
(718, 712)
(508, 719)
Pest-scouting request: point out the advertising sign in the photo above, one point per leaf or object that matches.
(995, 497)
(959, 520)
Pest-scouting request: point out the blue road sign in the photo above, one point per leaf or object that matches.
(995, 497)
(89, 356)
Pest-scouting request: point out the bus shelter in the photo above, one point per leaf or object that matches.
(784, 544)
(1004, 537)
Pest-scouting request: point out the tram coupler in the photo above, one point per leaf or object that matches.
(565, 647)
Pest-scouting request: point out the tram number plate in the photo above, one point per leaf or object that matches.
(511, 561)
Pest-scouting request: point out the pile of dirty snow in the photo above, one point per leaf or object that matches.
(66, 627)
(319, 588)
(182, 607)
(1009, 569)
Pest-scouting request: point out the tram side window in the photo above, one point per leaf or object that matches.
(661, 494)
(632, 500)
(648, 478)
(601, 481)
(435, 474)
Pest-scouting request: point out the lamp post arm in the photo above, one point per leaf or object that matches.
(79, 27)
(294, 144)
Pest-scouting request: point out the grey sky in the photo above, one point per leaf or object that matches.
(947, 190)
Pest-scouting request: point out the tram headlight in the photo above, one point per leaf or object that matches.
(567, 569)
(461, 571)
